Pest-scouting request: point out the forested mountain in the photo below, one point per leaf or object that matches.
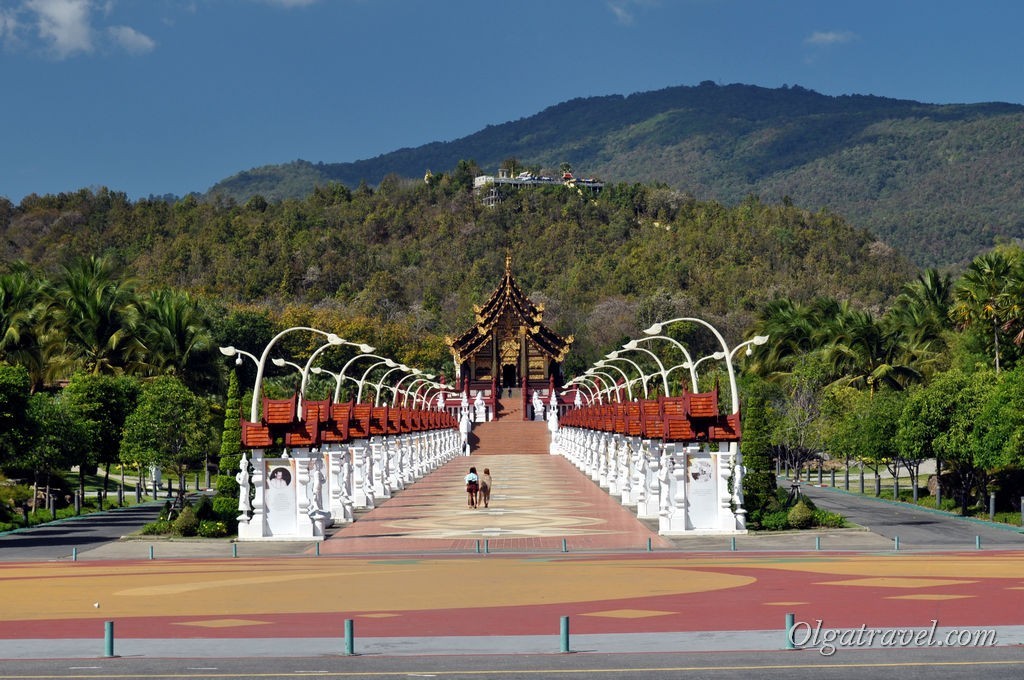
(940, 183)
(412, 258)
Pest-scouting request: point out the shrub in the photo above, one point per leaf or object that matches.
(824, 518)
(186, 524)
(225, 508)
(800, 515)
(203, 508)
(158, 528)
(209, 528)
(775, 521)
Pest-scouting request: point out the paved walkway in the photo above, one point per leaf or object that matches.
(424, 574)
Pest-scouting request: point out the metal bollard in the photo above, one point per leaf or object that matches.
(565, 545)
(817, 542)
(992, 506)
(790, 623)
(896, 545)
(487, 547)
(977, 542)
(74, 554)
(150, 552)
(732, 543)
(649, 548)
(350, 642)
(108, 638)
(234, 550)
(565, 634)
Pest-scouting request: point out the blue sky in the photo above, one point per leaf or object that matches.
(170, 96)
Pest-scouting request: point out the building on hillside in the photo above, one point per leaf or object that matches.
(509, 345)
(488, 185)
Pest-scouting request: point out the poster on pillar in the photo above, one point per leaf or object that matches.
(702, 490)
(280, 496)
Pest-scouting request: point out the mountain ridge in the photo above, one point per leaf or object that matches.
(887, 165)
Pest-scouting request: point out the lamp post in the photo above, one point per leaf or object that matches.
(304, 371)
(380, 384)
(643, 377)
(610, 379)
(661, 366)
(232, 351)
(607, 363)
(579, 381)
(338, 377)
(424, 379)
(261, 363)
(413, 374)
(362, 381)
(689, 363)
(728, 353)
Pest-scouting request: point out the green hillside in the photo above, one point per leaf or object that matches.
(419, 256)
(940, 183)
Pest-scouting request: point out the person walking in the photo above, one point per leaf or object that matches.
(472, 486)
(485, 488)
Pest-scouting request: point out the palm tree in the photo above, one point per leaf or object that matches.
(93, 314)
(862, 354)
(981, 293)
(22, 307)
(176, 335)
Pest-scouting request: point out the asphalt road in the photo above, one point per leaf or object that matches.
(56, 540)
(917, 528)
(998, 663)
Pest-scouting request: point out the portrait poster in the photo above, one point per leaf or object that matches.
(280, 496)
(702, 490)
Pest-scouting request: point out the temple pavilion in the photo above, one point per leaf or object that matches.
(509, 346)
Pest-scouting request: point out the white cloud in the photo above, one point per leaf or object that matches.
(131, 40)
(622, 12)
(64, 24)
(830, 37)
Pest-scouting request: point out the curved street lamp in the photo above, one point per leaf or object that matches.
(390, 363)
(610, 380)
(727, 352)
(628, 347)
(643, 377)
(607, 363)
(232, 351)
(261, 363)
(579, 382)
(380, 385)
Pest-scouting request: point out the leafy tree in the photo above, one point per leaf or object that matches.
(102, 403)
(14, 423)
(168, 428)
(58, 439)
(962, 446)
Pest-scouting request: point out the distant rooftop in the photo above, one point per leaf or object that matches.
(527, 179)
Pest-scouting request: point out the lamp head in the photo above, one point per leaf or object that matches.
(366, 349)
(334, 339)
(317, 370)
(228, 351)
(390, 364)
(429, 376)
(760, 339)
(718, 356)
(238, 360)
(278, 361)
(653, 330)
(630, 345)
